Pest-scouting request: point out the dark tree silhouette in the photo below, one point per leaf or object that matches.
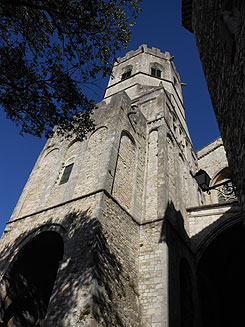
(50, 49)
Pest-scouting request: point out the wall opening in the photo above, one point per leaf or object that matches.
(126, 72)
(221, 272)
(29, 283)
(156, 70)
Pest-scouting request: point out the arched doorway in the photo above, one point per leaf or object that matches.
(221, 272)
(30, 281)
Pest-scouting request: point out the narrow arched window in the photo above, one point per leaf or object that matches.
(124, 178)
(152, 175)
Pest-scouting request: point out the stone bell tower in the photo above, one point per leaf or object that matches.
(90, 239)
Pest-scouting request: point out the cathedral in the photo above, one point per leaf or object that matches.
(115, 231)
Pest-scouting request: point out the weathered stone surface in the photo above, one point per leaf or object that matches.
(130, 213)
(219, 28)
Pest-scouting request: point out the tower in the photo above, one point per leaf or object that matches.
(101, 233)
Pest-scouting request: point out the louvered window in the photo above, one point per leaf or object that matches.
(156, 72)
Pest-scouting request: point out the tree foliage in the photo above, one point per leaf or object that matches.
(50, 49)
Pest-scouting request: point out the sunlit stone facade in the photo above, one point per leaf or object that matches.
(107, 232)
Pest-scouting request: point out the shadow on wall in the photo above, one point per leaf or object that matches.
(206, 277)
(182, 289)
(29, 283)
(77, 268)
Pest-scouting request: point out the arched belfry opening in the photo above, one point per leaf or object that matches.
(221, 272)
(29, 283)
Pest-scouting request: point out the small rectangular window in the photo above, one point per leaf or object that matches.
(126, 75)
(66, 174)
(153, 72)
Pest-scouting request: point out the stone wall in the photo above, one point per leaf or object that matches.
(99, 267)
(219, 28)
(98, 273)
(153, 276)
(128, 214)
(205, 217)
(212, 159)
(122, 235)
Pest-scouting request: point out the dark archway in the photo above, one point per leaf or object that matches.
(30, 281)
(186, 294)
(221, 272)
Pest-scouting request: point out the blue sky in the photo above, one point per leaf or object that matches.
(159, 25)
